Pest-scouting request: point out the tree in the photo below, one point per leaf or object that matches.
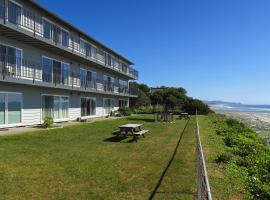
(143, 99)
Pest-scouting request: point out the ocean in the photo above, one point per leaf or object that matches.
(263, 109)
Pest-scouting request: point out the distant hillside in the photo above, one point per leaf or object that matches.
(223, 103)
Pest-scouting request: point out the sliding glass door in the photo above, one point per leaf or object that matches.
(10, 108)
(56, 72)
(88, 78)
(88, 106)
(55, 107)
(108, 106)
(2, 108)
(14, 108)
(47, 69)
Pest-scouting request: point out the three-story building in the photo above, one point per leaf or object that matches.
(48, 67)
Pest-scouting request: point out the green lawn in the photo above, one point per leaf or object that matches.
(85, 162)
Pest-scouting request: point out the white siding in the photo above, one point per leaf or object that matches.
(31, 116)
(74, 113)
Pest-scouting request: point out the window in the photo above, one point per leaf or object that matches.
(2, 10)
(88, 106)
(82, 47)
(65, 71)
(65, 38)
(2, 108)
(75, 41)
(123, 86)
(93, 52)
(124, 68)
(47, 30)
(109, 60)
(101, 55)
(55, 71)
(108, 106)
(14, 13)
(12, 57)
(55, 107)
(51, 31)
(10, 108)
(47, 69)
(122, 103)
(108, 83)
(88, 78)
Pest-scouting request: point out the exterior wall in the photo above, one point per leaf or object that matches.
(32, 102)
(35, 54)
(32, 94)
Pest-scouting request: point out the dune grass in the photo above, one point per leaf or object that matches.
(87, 162)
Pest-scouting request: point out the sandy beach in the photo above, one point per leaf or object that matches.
(257, 121)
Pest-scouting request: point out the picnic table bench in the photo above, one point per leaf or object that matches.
(184, 115)
(136, 130)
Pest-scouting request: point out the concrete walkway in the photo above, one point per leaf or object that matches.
(24, 129)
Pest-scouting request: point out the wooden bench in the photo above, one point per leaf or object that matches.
(116, 132)
(140, 133)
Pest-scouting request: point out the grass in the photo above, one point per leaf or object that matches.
(87, 162)
(223, 185)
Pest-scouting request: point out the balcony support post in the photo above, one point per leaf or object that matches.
(34, 25)
(5, 10)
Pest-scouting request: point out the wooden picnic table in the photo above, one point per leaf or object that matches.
(130, 128)
(134, 129)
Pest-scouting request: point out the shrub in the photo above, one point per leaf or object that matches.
(48, 122)
(126, 111)
(223, 158)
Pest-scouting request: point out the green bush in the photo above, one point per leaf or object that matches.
(48, 122)
(126, 111)
(247, 154)
(223, 157)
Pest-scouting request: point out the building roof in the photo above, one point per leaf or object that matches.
(87, 36)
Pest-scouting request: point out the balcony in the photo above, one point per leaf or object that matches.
(31, 28)
(21, 71)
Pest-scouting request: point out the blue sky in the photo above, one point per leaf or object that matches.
(216, 49)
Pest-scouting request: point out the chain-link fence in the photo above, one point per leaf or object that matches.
(203, 187)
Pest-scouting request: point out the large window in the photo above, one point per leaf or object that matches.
(55, 107)
(88, 106)
(14, 13)
(109, 60)
(88, 78)
(2, 108)
(55, 71)
(10, 108)
(122, 103)
(47, 65)
(108, 106)
(65, 38)
(82, 47)
(93, 52)
(65, 71)
(123, 86)
(12, 57)
(108, 83)
(52, 32)
(47, 30)
(2, 9)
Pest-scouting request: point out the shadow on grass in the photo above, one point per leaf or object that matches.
(142, 119)
(169, 164)
(115, 139)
